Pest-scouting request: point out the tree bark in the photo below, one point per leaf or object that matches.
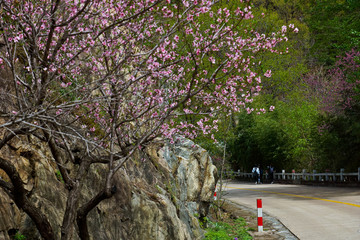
(18, 194)
(67, 229)
(86, 208)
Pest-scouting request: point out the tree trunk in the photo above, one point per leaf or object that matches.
(67, 229)
(86, 208)
(18, 194)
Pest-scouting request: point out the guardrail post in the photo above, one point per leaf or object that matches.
(303, 174)
(314, 177)
(283, 174)
(342, 174)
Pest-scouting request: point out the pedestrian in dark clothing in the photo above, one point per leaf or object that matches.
(261, 170)
(256, 174)
(271, 174)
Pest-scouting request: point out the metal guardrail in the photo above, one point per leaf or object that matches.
(303, 176)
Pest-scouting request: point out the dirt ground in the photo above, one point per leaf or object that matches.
(273, 229)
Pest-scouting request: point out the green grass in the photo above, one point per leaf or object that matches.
(59, 176)
(19, 236)
(234, 230)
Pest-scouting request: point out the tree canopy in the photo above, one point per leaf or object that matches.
(109, 77)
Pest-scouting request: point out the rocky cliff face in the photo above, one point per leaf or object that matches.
(158, 197)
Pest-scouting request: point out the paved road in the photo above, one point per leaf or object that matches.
(311, 213)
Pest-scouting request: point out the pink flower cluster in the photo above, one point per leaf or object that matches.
(139, 69)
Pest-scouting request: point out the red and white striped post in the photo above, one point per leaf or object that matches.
(215, 198)
(260, 217)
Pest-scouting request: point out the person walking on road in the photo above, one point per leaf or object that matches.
(256, 174)
(271, 174)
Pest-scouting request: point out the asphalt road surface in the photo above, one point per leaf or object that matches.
(310, 213)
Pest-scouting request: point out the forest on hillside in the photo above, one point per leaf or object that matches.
(314, 87)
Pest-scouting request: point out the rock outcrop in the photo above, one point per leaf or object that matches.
(159, 195)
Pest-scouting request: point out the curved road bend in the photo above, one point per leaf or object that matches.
(311, 213)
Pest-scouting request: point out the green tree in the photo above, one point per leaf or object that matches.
(280, 137)
(259, 140)
(335, 28)
(289, 66)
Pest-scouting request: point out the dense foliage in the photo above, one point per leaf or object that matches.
(335, 25)
(314, 88)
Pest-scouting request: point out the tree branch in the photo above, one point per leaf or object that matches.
(55, 152)
(10, 136)
(87, 207)
(22, 202)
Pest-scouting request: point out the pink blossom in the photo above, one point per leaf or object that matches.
(267, 74)
(138, 74)
(212, 60)
(249, 110)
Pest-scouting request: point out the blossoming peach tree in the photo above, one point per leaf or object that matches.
(114, 75)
